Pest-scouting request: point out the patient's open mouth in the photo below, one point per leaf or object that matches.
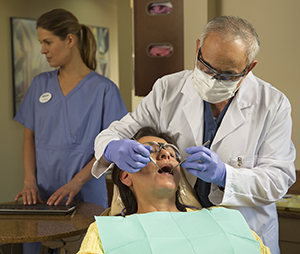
(166, 169)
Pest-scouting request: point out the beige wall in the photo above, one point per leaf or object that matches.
(276, 22)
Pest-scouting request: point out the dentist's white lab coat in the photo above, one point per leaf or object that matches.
(253, 140)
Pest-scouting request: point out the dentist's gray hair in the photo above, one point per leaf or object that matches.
(233, 28)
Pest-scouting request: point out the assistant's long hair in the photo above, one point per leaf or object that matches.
(61, 23)
(127, 196)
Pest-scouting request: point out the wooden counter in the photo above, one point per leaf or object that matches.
(289, 225)
(38, 228)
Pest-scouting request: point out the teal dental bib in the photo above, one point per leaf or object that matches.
(216, 230)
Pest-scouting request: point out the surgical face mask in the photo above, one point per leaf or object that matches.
(212, 90)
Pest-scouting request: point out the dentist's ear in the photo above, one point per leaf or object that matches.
(197, 45)
(251, 66)
(125, 178)
(197, 49)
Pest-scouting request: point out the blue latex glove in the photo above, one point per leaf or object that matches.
(127, 154)
(211, 169)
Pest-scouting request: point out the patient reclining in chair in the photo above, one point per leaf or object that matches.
(156, 218)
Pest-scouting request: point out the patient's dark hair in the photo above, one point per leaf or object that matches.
(126, 194)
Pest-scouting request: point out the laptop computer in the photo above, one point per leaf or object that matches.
(17, 208)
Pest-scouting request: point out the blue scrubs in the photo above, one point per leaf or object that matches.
(211, 126)
(65, 128)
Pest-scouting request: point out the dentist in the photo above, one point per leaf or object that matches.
(250, 162)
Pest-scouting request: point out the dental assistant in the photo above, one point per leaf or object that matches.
(250, 163)
(62, 112)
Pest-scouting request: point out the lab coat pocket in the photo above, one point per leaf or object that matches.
(242, 161)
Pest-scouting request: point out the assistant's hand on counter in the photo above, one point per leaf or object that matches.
(127, 154)
(71, 188)
(30, 194)
(206, 165)
(68, 190)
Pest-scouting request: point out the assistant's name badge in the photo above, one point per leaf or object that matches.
(45, 97)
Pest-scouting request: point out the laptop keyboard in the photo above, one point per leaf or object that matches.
(33, 207)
